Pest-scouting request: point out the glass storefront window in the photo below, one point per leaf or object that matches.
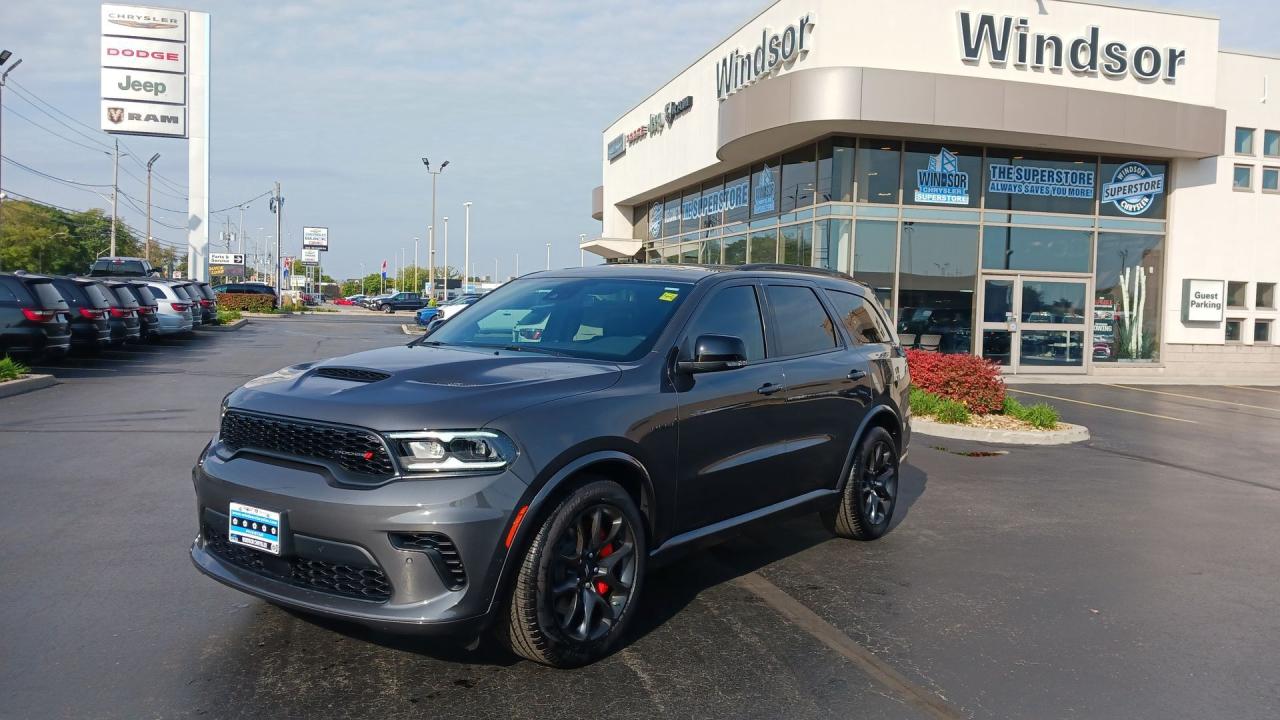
(712, 203)
(937, 279)
(691, 253)
(764, 189)
(835, 170)
(1126, 307)
(936, 174)
(712, 249)
(835, 239)
(735, 250)
(1053, 302)
(764, 246)
(1029, 181)
(690, 210)
(799, 178)
(1138, 175)
(797, 244)
(1022, 248)
(874, 255)
(655, 220)
(877, 171)
(671, 217)
(737, 206)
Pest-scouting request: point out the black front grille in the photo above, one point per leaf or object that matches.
(442, 551)
(352, 374)
(360, 582)
(359, 451)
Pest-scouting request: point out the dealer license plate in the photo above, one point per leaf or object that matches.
(254, 527)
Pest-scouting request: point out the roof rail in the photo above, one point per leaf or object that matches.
(807, 269)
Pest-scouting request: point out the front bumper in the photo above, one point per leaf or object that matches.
(323, 521)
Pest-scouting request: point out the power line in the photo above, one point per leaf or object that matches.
(155, 190)
(246, 202)
(10, 110)
(169, 244)
(51, 177)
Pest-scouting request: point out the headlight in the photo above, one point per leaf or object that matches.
(226, 400)
(452, 450)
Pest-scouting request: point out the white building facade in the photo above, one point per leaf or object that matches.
(1062, 187)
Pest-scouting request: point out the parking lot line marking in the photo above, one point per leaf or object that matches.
(831, 636)
(1254, 389)
(1195, 397)
(1106, 407)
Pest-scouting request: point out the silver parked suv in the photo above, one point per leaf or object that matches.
(172, 310)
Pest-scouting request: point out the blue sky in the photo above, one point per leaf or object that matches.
(339, 100)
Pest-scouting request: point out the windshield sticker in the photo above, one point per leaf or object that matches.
(668, 296)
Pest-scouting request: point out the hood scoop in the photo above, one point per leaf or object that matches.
(360, 375)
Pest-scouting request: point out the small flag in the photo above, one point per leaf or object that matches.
(384, 269)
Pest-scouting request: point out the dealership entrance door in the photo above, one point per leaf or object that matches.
(1035, 323)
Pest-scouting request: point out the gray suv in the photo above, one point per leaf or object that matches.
(517, 469)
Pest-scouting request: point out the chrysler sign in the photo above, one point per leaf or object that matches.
(144, 22)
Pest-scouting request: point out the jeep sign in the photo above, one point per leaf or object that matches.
(143, 85)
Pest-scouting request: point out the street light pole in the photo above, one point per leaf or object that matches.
(415, 265)
(548, 255)
(581, 257)
(466, 248)
(150, 162)
(446, 257)
(431, 243)
(4, 57)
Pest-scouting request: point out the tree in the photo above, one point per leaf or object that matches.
(44, 239)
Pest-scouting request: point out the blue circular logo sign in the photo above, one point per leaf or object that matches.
(1133, 188)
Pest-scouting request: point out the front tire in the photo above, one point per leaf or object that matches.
(387, 309)
(576, 588)
(871, 492)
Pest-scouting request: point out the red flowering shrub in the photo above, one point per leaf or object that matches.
(965, 378)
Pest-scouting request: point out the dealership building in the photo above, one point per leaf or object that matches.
(1062, 187)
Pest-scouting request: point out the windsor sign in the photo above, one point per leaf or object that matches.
(1006, 40)
(776, 50)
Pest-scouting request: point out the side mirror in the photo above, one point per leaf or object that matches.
(714, 353)
(435, 324)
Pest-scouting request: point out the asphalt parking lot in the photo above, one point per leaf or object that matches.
(1133, 576)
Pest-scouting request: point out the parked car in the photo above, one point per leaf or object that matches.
(172, 310)
(122, 313)
(122, 267)
(424, 316)
(349, 300)
(90, 312)
(457, 305)
(400, 301)
(249, 288)
(34, 319)
(467, 481)
(148, 307)
(208, 301)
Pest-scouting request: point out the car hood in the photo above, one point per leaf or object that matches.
(425, 387)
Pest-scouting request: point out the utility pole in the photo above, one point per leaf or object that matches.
(495, 270)
(150, 162)
(431, 241)
(446, 257)
(4, 57)
(115, 192)
(466, 249)
(277, 207)
(548, 255)
(581, 257)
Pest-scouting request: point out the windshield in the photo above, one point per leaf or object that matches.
(119, 267)
(598, 318)
(97, 298)
(125, 297)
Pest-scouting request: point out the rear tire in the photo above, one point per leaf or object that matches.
(871, 491)
(576, 588)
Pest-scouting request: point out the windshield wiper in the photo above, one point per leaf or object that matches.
(532, 348)
(424, 341)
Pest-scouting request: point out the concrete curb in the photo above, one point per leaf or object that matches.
(266, 316)
(227, 327)
(1064, 435)
(408, 329)
(26, 384)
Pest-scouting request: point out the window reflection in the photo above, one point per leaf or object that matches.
(937, 277)
(1026, 248)
(877, 171)
(735, 250)
(835, 239)
(797, 244)
(764, 245)
(799, 178)
(835, 170)
(1126, 304)
(1053, 302)
(874, 256)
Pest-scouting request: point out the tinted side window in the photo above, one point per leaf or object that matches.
(857, 317)
(732, 311)
(97, 298)
(803, 324)
(9, 290)
(47, 295)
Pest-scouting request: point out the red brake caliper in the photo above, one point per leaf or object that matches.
(601, 586)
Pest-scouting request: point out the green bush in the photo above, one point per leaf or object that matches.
(226, 316)
(11, 369)
(247, 302)
(1040, 415)
(924, 403)
(1012, 407)
(952, 411)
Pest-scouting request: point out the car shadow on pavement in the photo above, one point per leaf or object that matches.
(669, 589)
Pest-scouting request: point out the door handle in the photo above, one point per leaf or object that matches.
(768, 388)
(856, 374)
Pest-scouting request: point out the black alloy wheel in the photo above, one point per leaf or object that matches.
(576, 587)
(871, 492)
(387, 309)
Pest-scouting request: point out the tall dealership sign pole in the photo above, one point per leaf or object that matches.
(198, 149)
(4, 58)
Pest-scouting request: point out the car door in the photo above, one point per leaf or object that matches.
(729, 451)
(823, 404)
